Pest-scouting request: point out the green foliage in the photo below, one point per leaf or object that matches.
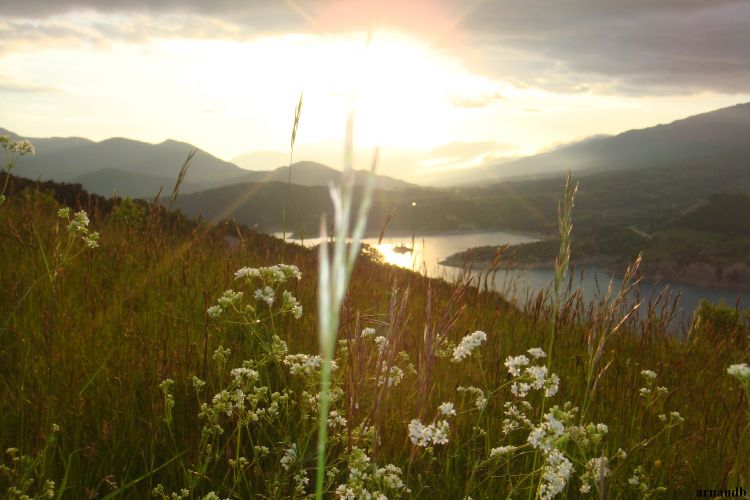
(720, 322)
(129, 213)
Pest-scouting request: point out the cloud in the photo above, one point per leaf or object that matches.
(25, 88)
(633, 47)
(477, 100)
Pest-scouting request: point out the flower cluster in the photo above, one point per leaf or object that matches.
(20, 147)
(427, 435)
(271, 275)
(741, 372)
(366, 480)
(291, 304)
(243, 399)
(536, 377)
(547, 437)
(467, 345)
(395, 376)
(78, 227)
(650, 387)
(266, 294)
(305, 364)
(596, 470)
(447, 409)
(290, 456)
(480, 400)
(501, 451)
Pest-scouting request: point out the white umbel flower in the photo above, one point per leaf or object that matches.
(447, 409)
(514, 364)
(468, 344)
(740, 371)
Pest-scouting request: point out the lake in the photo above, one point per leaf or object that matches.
(430, 249)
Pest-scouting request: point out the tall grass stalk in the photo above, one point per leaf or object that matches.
(565, 226)
(333, 279)
(297, 112)
(181, 177)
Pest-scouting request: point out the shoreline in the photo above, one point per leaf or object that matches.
(422, 234)
(652, 276)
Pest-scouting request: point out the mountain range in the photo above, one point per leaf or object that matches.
(696, 140)
(139, 169)
(642, 177)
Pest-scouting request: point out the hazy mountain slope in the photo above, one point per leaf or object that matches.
(310, 173)
(691, 141)
(257, 204)
(116, 164)
(711, 216)
(64, 159)
(261, 160)
(108, 180)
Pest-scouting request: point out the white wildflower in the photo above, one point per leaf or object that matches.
(538, 376)
(447, 409)
(555, 474)
(502, 450)
(214, 311)
(424, 435)
(468, 344)
(336, 420)
(537, 352)
(248, 272)
(481, 401)
(741, 372)
(514, 364)
(368, 332)
(290, 456)
(265, 294)
(395, 376)
(300, 482)
(520, 389)
(229, 297)
(305, 364)
(244, 375)
(381, 343)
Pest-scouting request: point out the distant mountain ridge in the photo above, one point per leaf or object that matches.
(140, 169)
(310, 173)
(690, 141)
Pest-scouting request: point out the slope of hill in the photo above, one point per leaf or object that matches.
(134, 168)
(64, 159)
(106, 181)
(726, 214)
(261, 160)
(310, 173)
(695, 140)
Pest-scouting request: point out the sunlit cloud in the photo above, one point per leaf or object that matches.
(226, 75)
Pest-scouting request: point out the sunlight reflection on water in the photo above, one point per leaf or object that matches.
(517, 285)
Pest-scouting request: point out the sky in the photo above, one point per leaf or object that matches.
(437, 85)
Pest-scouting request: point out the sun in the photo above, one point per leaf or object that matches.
(399, 86)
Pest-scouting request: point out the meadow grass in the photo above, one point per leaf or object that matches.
(134, 372)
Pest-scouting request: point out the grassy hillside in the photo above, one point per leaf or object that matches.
(88, 339)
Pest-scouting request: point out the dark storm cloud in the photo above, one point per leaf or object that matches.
(604, 46)
(654, 47)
